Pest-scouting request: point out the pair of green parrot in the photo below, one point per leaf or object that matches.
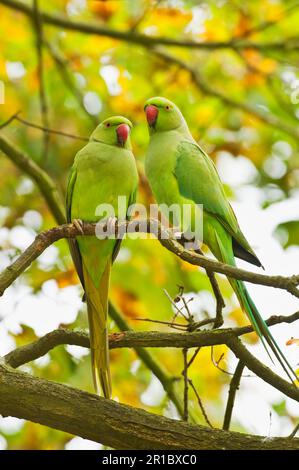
(179, 172)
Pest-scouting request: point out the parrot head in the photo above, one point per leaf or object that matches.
(162, 115)
(114, 130)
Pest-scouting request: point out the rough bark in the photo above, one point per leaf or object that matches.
(110, 423)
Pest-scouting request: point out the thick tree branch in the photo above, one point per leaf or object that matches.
(155, 339)
(45, 184)
(63, 22)
(46, 238)
(261, 370)
(38, 348)
(110, 423)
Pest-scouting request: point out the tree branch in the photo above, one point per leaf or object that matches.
(261, 370)
(17, 117)
(205, 88)
(61, 65)
(45, 184)
(149, 41)
(154, 339)
(43, 345)
(234, 386)
(38, 26)
(110, 423)
(46, 238)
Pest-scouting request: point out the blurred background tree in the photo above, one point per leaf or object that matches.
(232, 68)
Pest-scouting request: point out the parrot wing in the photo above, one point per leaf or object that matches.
(199, 181)
(73, 244)
(131, 201)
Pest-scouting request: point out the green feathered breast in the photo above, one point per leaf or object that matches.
(100, 174)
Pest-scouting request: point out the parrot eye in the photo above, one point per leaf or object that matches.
(167, 107)
(108, 124)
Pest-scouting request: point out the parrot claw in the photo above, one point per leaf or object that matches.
(111, 226)
(79, 225)
(177, 235)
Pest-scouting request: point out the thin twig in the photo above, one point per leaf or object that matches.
(180, 326)
(193, 357)
(63, 69)
(170, 324)
(143, 15)
(234, 386)
(185, 375)
(16, 116)
(217, 362)
(179, 311)
(204, 413)
(46, 185)
(49, 130)
(38, 25)
(261, 27)
(197, 325)
(294, 432)
(205, 87)
(190, 317)
(9, 120)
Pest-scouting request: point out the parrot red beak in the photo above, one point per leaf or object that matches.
(151, 115)
(122, 131)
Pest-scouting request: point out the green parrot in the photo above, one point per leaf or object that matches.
(180, 172)
(102, 171)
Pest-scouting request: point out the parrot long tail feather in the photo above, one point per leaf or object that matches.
(97, 308)
(258, 323)
(262, 329)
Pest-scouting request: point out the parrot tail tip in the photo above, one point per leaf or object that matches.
(105, 381)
